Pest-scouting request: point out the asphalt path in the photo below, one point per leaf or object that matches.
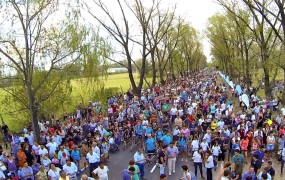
(119, 160)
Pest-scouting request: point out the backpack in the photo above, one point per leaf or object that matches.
(193, 177)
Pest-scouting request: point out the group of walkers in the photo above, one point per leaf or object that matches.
(194, 119)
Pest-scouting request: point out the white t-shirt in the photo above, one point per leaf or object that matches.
(70, 170)
(197, 157)
(36, 149)
(190, 110)
(204, 146)
(173, 111)
(54, 175)
(102, 173)
(216, 150)
(283, 111)
(43, 151)
(52, 147)
(195, 144)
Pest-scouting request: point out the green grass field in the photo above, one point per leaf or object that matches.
(81, 92)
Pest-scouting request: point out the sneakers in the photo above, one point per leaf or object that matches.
(173, 171)
(169, 174)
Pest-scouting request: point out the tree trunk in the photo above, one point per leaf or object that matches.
(283, 91)
(153, 70)
(161, 79)
(267, 87)
(33, 107)
(247, 80)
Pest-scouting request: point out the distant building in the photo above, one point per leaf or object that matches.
(117, 70)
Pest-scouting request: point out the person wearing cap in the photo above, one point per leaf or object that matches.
(71, 169)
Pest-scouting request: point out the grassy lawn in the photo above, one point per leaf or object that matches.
(259, 76)
(81, 92)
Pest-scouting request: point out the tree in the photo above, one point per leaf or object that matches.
(262, 34)
(272, 11)
(36, 50)
(128, 38)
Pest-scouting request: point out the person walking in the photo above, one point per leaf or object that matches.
(161, 159)
(172, 152)
(93, 160)
(101, 171)
(140, 160)
(238, 160)
(209, 164)
(198, 158)
(186, 173)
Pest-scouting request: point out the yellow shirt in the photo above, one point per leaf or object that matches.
(214, 125)
(67, 178)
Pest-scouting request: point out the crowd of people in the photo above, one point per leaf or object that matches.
(195, 119)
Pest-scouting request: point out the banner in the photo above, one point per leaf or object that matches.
(231, 84)
(245, 99)
(238, 89)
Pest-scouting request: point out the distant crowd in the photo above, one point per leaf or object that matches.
(197, 119)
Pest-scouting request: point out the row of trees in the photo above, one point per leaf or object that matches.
(44, 43)
(166, 42)
(247, 37)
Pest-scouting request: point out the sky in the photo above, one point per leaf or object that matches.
(195, 12)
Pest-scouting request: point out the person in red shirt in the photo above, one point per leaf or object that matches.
(241, 131)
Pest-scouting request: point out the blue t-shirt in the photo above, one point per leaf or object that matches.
(182, 142)
(150, 144)
(166, 139)
(148, 130)
(139, 129)
(159, 135)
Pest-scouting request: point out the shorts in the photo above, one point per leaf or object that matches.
(270, 147)
(183, 148)
(150, 151)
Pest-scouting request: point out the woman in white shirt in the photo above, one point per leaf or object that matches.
(54, 172)
(195, 144)
(209, 164)
(176, 132)
(198, 158)
(216, 149)
(204, 145)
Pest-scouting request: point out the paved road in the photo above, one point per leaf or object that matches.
(119, 161)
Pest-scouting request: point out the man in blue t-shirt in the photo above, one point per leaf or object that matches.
(150, 144)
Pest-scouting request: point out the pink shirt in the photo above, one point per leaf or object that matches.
(185, 132)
